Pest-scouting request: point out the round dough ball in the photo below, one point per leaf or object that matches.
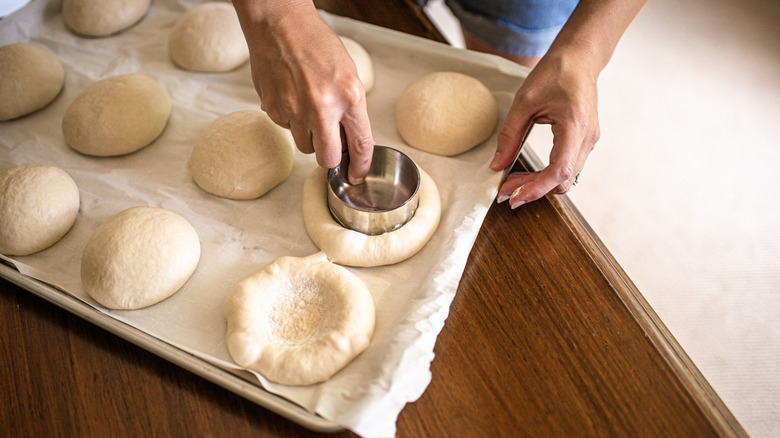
(116, 116)
(298, 321)
(139, 257)
(102, 17)
(353, 248)
(241, 155)
(30, 78)
(208, 38)
(446, 113)
(38, 205)
(365, 66)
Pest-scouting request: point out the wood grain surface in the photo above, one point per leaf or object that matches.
(539, 342)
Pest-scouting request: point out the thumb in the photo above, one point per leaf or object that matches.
(511, 137)
(361, 146)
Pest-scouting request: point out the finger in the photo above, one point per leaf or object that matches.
(565, 186)
(270, 107)
(303, 138)
(587, 147)
(543, 183)
(511, 135)
(326, 140)
(512, 183)
(361, 146)
(563, 161)
(275, 116)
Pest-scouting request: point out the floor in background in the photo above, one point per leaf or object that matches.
(684, 185)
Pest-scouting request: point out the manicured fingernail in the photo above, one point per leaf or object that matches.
(495, 161)
(513, 201)
(502, 198)
(514, 205)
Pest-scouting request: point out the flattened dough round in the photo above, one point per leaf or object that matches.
(353, 248)
(208, 38)
(30, 78)
(116, 116)
(102, 17)
(298, 321)
(241, 155)
(38, 205)
(365, 66)
(446, 113)
(139, 257)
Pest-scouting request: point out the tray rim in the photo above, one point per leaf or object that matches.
(676, 357)
(200, 367)
(233, 382)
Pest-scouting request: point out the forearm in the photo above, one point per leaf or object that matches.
(561, 91)
(272, 19)
(591, 34)
(307, 81)
(267, 11)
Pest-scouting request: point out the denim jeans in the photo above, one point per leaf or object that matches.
(519, 27)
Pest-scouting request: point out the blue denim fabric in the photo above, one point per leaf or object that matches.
(515, 27)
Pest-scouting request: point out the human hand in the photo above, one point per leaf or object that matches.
(307, 81)
(560, 92)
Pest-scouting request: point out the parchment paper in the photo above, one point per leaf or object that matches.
(239, 237)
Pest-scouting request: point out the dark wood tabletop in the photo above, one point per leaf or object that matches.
(546, 337)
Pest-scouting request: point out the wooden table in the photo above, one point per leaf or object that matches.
(546, 337)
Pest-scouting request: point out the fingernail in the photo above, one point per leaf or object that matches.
(517, 191)
(495, 161)
(514, 205)
(502, 198)
(513, 201)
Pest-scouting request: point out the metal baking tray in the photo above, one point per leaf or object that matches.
(231, 382)
(503, 75)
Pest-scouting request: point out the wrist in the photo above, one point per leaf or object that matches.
(567, 61)
(270, 16)
(592, 32)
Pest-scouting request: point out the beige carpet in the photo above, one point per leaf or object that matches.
(684, 186)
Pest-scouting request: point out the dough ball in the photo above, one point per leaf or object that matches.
(139, 257)
(446, 113)
(353, 248)
(298, 321)
(30, 78)
(102, 17)
(38, 205)
(241, 155)
(365, 66)
(208, 38)
(116, 116)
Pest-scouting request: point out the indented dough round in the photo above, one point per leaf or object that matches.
(38, 205)
(139, 257)
(298, 321)
(102, 17)
(30, 78)
(446, 113)
(365, 66)
(241, 155)
(116, 116)
(353, 248)
(208, 38)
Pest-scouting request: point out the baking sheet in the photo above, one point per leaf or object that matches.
(228, 379)
(239, 237)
